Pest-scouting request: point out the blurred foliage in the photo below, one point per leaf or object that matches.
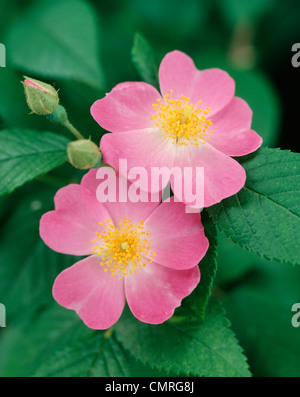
(230, 35)
(260, 310)
(84, 49)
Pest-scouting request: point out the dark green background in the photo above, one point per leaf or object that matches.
(252, 40)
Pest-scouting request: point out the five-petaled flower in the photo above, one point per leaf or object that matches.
(196, 122)
(145, 253)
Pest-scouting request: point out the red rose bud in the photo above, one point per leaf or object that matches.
(83, 154)
(41, 98)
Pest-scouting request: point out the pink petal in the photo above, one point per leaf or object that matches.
(133, 210)
(29, 82)
(177, 237)
(213, 86)
(231, 129)
(155, 291)
(89, 180)
(223, 176)
(70, 228)
(97, 297)
(127, 107)
(146, 148)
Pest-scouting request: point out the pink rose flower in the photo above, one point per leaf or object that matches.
(196, 122)
(145, 253)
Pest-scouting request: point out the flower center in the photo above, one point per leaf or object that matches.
(123, 249)
(181, 121)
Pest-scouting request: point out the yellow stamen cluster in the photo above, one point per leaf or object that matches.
(179, 120)
(122, 249)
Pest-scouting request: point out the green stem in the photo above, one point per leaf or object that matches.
(60, 116)
(74, 131)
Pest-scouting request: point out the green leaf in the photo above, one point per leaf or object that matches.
(25, 154)
(264, 216)
(143, 59)
(35, 335)
(60, 39)
(185, 346)
(260, 311)
(234, 262)
(52, 341)
(98, 354)
(199, 298)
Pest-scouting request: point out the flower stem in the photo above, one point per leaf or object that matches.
(74, 131)
(60, 116)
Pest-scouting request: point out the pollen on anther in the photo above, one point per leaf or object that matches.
(180, 121)
(121, 248)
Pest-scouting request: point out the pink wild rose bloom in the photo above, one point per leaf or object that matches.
(144, 253)
(196, 121)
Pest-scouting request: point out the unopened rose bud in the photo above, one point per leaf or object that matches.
(41, 98)
(83, 154)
